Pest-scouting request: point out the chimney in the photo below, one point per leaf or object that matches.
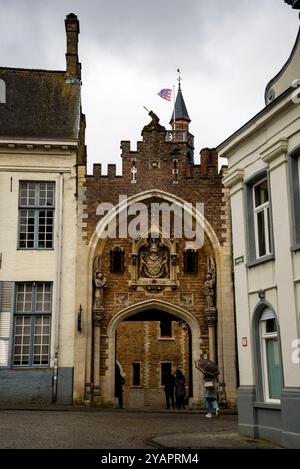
(72, 32)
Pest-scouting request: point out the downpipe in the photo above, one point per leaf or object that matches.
(58, 288)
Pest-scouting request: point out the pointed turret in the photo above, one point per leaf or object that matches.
(182, 118)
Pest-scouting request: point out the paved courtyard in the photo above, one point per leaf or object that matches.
(119, 429)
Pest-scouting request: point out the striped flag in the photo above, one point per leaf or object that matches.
(165, 93)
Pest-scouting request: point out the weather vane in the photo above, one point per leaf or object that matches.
(179, 79)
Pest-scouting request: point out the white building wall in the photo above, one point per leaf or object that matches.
(41, 265)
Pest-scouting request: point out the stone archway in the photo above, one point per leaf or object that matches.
(107, 381)
(224, 306)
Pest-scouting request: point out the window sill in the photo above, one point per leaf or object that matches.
(267, 405)
(295, 247)
(35, 249)
(262, 260)
(29, 367)
(165, 339)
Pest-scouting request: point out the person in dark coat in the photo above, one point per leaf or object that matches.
(119, 381)
(169, 381)
(179, 389)
(211, 386)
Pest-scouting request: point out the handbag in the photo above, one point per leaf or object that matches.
(208, 384)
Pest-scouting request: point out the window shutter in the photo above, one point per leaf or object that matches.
(267, 314)
(6, 311)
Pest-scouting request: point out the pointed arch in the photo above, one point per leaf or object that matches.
(161, 305)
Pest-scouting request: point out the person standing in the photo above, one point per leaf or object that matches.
(119, 382)
(169, 389)
(179, 389)
(211, 385)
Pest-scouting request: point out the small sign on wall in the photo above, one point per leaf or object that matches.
(239, 260)
(244, 341)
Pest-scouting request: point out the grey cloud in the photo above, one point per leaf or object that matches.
(227, 51)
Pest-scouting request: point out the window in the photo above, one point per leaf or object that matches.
(32, 324)
(270, 354)
(295, 185)
(36, 215)
(190, 262)
(117, 261)
(166, 328)
(136, 374)
(166, 370)
(259, 218)
(262, 221)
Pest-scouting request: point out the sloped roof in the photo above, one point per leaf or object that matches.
(180, 108)
(39, 104)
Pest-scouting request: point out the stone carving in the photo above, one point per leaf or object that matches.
(186, 298)
(154, 260)
(209, 284)
(121, 298)
(154, 124)
(100, 284)
(211, 316)
(99, 281)
(97, 317)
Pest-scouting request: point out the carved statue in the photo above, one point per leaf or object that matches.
(154, 260)
(100, 284)
(209, 284)
(154, 124)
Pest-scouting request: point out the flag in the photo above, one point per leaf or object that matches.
(166, 93)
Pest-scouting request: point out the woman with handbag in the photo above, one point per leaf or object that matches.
(211, 385)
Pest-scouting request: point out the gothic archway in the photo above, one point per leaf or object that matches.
(97, 247)
(108, 384)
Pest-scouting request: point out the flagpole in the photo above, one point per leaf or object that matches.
(174, 116)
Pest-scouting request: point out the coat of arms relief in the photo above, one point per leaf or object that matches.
(154, 260)
(154, 264)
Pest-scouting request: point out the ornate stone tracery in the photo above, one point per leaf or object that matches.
(210, 311)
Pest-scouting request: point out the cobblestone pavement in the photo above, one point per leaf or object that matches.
(119, 429)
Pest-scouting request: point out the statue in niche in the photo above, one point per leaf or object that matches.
(154, 260)
(209, 284)
(100, 284)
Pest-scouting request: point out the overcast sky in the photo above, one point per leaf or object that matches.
(130, 49)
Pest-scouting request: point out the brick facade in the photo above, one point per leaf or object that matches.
(159, 167)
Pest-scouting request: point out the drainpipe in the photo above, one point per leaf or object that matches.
(58, 287)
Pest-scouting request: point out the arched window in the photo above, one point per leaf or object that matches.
(270, 356)
(117, 261)
(190, 262)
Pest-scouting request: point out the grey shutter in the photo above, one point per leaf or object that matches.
(6, 312)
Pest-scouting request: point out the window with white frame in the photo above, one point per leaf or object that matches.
(295, 190)
(262, 218)
(270, 354)
(36, 215)
(32, 324)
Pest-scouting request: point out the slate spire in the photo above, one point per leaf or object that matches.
(181, 113)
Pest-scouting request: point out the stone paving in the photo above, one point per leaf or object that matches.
(119, 429)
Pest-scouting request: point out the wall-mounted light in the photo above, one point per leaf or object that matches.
(79, 327)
